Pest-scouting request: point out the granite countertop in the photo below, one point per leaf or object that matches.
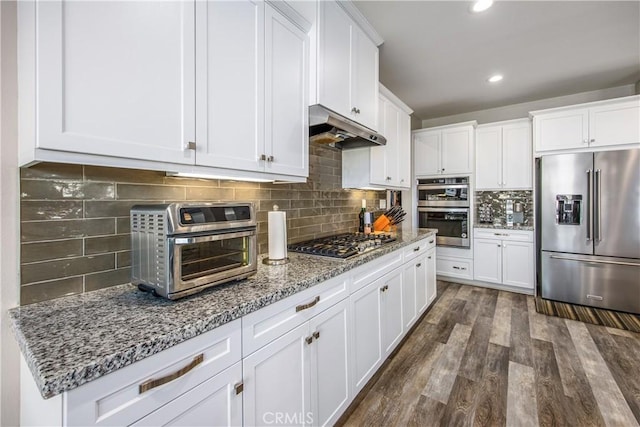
(504, 227)
(73, 340)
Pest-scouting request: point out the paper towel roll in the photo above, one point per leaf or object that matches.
(277, 235)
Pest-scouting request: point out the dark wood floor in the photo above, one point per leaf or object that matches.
(485, 357)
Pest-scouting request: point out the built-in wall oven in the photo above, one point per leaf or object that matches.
(443, 203)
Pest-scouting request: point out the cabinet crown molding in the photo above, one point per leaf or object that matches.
(587, 105)
(472, 123)
(394, 99)
(504, 123)
(362, 22)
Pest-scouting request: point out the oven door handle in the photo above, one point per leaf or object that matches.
(441, 187)
(211, 237)
(464, 210)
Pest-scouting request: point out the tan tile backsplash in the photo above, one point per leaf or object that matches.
(75, 219)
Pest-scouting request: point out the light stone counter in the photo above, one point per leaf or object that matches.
(70, 341)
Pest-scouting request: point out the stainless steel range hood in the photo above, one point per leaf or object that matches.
(328, 127)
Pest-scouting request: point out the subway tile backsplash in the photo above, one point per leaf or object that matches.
(75, 219)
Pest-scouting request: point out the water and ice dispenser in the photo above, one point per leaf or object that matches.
(568, 208)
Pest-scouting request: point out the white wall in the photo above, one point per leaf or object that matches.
(9, 223)
(518, 111)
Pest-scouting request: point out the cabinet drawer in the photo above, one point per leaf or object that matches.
(503, 234)
(263, 326)
(455, 267)
(375, 269)
(419, 248)
(115, 399)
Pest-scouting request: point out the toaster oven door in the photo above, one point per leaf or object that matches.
(204, 260)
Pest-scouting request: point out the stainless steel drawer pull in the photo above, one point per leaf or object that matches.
(150, 384)
(431, 241)
(595, 297)
(455, 267)
(595, 261)
(308, 305)
(416, 249)
(239, 388)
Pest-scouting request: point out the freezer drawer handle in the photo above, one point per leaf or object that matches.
(631, 264)
(595, 297)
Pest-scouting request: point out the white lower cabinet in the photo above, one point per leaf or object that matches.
(276, 381)
(366, 343)
(504, 257)
(215, 402)
(299, 361)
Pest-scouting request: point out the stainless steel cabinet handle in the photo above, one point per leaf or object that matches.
(430, 241)
(355, 110)
(388, 178)
(418, 265)
(589, 207)
(151, 384)
(190, 146)
(595, 297)
(308, 305)
(428, 257)
(308, 340)
(416, 249)
(316, 335)
(498, 244)
(596, 206)
(455, 267)
(263, 157)
(592, 140)
(239, 388)
(270, 159)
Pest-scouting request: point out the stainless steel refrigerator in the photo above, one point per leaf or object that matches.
(589, 228)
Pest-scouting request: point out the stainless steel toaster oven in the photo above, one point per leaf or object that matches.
(179, 249)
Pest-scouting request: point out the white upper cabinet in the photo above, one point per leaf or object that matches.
(588, 126)
(108, 82)
(504, 155)
(206, 87)
(446, 150)
(230, 98)
(387, 166)
(347, 67)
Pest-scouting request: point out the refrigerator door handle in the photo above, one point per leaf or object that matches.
(594, 261)
(589, 207)
(596, 206)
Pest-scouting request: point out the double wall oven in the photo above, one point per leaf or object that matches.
(443, 203)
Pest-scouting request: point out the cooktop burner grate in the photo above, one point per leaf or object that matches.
(342, 245)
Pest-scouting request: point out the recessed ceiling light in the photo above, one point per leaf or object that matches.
(495, 78)
(481, 5)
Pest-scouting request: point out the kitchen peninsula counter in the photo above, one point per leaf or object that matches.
(70, 341)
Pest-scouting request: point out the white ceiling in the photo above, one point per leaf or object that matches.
(437, 55)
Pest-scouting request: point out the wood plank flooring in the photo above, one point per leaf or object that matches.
(482, 357)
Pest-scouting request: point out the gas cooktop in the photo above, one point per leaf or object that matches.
(342, 245)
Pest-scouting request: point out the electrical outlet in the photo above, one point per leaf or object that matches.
(383, 203)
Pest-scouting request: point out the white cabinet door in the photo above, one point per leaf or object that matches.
(487, 260)
(330, 364)
(334, 50)
(422, 282)
(409, 298)
(391, 288)
(377, 155)
(614, 124)
(489, 158)
(392, 148)
(116, 78)
(366, 336)
(517, 264)
(517, 152)
(364, 80)
(456, 150)
(562, 130)
(230, 96)
(276, 380)
(431, 276)
(404, 150)
(286, 89)
(212, 403)
(427, 153)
